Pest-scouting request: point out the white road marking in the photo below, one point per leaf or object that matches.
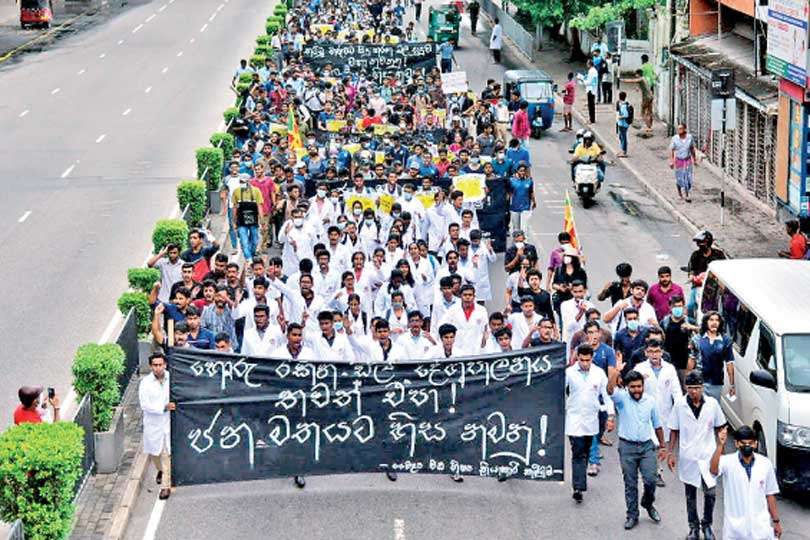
(101, 138)
(68, 171)
(212, 17)
(116, 318)
(134, 30)
(24, 216)
(192, 40)
(220, 7)
(161, 8)
(24, 113)
(126, 112)
(171, 1)
(154, 520)
(204, 27)
(55, 91)
(102, 55)
(399, 529)
(179, 54)
(120, 41)
(148, 89)
(165, 69)
(81, 71)
(150, 17)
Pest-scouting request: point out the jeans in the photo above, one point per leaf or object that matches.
(638, 457)
(447, 65)
(593, 456)
(714, 390)
(691, 505)
(473, 23)
(520, 220)
(591, 108)
(232, 229)
(622, 138)
(249, 238)
(579, 459)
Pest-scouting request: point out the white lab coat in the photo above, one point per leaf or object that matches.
(496, 37)
(423, 277)
(304, 239)
(696, 438)
(339, 350)
(664, 387)
(520, 327)
(444, 271)
(468, 331)
(436, 352)
(409, 348)
(255, 345)
(340, 257)
(153, 396)
(439, 309)
(568, 314)
(483, 289)
(245, 309)
(582, 405)
(317, 216)
(745, 507)
(283, 353)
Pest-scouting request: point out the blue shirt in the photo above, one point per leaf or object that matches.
(521, 190)
(604, 357)
(713, 357)
(205, 339)
(626, 344)
(636, 418)
(503, 168)
(518, 155)
(446, 50)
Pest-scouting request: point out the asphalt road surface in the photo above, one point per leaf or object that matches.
(96, 133)
(623, 225)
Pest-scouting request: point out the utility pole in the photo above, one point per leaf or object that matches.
(724, 119)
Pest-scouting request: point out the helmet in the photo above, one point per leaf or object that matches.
(703, 236)
(587, 135)
(580, 133)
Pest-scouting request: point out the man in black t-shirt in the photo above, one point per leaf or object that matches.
(677, 333)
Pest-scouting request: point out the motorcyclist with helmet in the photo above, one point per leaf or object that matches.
(699, 264)
(587, 152)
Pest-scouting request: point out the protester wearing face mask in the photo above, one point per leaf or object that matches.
(321, 210)
(298, 240)
(677, 333)
(517, 251)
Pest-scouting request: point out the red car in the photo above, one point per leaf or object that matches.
(36, 12)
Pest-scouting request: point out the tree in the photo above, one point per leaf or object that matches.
(597, 16)
(550, 13)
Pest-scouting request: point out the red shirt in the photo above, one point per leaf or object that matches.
(570, 93)
(266, 186)
(26, 416)
(798, 246)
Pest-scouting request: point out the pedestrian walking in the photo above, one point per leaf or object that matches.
(797, 249)
(473, 8)
(521, 128)
(624, 117)
(601, 69)
(649, 77)
(591, 83)
(417, 9)
(496, 41)
(682, 159)
(749, 488)
(607, 79)
(712, 353)
(569, 96)
(638, 419)
(694, 421)
(446, 56)
(153, 395)
(247, 203)
(522, 201)
(586, 384)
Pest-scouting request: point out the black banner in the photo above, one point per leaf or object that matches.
(241, 418)
(377, 61)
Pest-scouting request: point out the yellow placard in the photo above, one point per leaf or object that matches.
(379, 157)
(322, 28)
(335, 125)
(278, 128)
(383, 129)
(352, 147)
(367, 202)
(386, 201)
(473, 186)
(426, 198)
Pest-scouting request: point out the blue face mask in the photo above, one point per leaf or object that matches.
(338, 326)
(632, 325)
(677, 312)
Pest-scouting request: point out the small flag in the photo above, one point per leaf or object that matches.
(568, 221)
(293, 135)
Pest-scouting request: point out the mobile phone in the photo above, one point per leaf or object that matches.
(51, 393)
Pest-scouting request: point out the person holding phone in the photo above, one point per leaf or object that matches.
(32, 410)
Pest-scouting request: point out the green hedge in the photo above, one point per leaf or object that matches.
(229, 114)
(96, 369)
(226, 141)
(275, 18)
(169, 231)
(39, 467)
(142, 279)
(262, 40)
(272, 27)
(210, 161)
(257, 60)
(263, 50)
(192, 193)
(143, 313)
(245, 77)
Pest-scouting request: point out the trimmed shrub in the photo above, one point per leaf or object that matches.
(169, 231)
(245, 77)
(262, 40)
(231, 113)
(192, 193)
(39, 467)
(210, 161)
(263, 50)
(142, 279)
(275, 18)
(280, 10)
(257, 60)
(96, 369)
(140, 302)
(226, 141)
(272, 27)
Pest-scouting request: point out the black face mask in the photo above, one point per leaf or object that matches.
(747, 450)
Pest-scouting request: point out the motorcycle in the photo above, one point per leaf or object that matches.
(586, 180)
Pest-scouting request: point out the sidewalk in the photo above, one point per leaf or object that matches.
(748, 230)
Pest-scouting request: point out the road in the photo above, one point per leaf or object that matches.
(624, 225)
(96, 134)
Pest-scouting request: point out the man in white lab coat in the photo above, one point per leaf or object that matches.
(470, 321)
(262, 337)
(298, 238)
(330, 344)
(414, 344)
(482, 255)
(446, 348)
(693, 423)
(523, 322)
(153, 395)
(749, 488)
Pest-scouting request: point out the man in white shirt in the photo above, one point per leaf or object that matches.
(749, 489)
(586, 383)
(693, 423)
(294, 349)
(168, 261)
(301, 306)
(321, 210)
(340, 253)
(572, 311)
(423, 277)
(327, 280)
(414, 344)
(450, 267)
(445, 302)
(259, 297)
(482, 255)
(470, 321)
(153, 395)
(447, 348)
(374, 348)
(298, 239)
(523, 322)
(262, 337)
(646, 313)
(489, 343)
(330, 345)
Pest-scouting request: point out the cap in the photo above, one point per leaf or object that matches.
(693, 378)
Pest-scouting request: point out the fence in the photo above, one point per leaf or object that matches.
(84, 419)
(16, 532)
(128, 340)
(523, 39)
(750, 148)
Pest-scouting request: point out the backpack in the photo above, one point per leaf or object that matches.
(630, 112)
(247, 212)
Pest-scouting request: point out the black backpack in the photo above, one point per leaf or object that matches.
(247, 212)
(630, 111)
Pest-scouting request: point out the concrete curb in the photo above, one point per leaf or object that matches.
(133, 489)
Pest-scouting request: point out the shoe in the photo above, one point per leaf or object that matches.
(659, 480)
(159, 477)
(300, 482)
(694, 534)
(164, 494)
(708, 534)
(457, 478)
(629, 523)
(653, 513)
(391, 476)
(593, 469)
(577, 496)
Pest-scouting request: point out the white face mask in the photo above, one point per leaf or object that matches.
(335, 200)
(519, 245)
(298, 222)
(357, 211)
(567, 259)
(321, 193)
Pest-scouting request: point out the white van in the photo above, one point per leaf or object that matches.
(766, 306)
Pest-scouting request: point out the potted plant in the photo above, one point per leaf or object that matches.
(191, 194)
(96, 369)
(210, 162)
